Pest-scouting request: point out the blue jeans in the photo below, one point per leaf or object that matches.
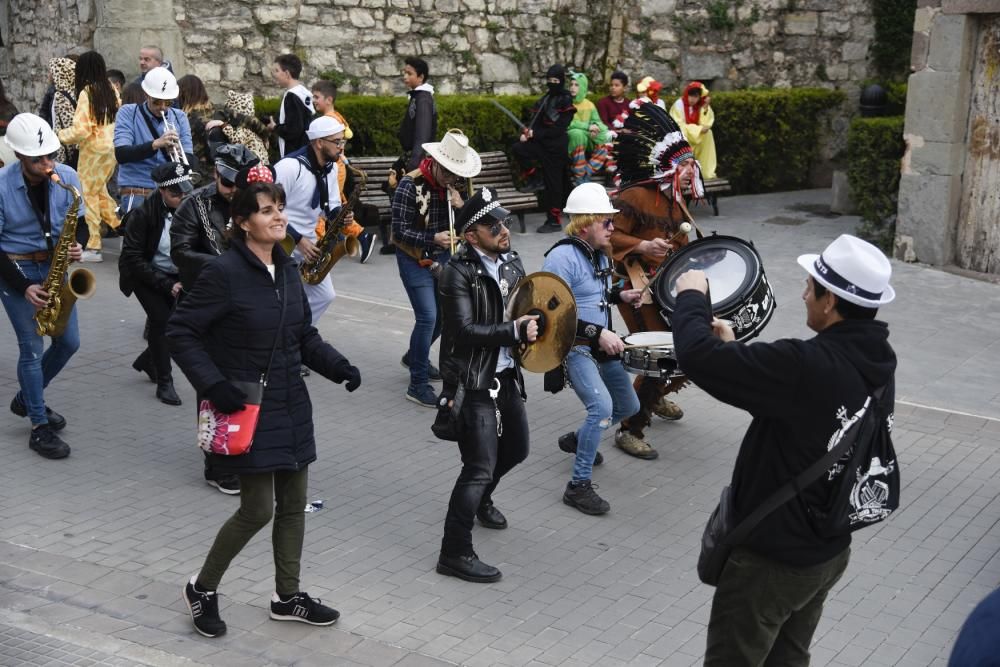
(422, 290)
(128, 202)
(35, 369)
(605, 389)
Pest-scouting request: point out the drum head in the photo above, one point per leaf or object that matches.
(731, 265)
(650, 338)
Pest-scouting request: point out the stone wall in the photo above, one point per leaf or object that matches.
(491, 46)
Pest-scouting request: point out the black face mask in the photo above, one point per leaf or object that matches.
(555, 87)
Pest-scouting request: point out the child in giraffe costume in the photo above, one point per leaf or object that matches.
(93, 129)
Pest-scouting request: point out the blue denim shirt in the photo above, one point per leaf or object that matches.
(132, 130)
(569, 263)
(20, 230)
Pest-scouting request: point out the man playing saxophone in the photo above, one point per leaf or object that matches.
(32, 213)
(309, 176)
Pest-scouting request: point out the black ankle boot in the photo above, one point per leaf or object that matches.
(165, 392)
(144, 364)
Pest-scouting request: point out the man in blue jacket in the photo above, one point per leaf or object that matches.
(32, 212)
(770, 595)
(143, 141)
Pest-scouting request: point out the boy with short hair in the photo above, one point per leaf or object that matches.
(296, 104)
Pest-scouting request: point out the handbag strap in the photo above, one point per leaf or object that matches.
(277, 334)
(793, 487)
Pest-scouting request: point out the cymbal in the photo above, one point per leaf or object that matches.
(548, 296)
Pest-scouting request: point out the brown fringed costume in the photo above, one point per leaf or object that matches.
(649, 148)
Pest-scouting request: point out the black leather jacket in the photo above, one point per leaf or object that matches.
(190, 245)
(474, 329)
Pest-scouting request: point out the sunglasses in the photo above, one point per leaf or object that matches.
(497, 227)
(608, 224)
(38, 158)
(227, 183)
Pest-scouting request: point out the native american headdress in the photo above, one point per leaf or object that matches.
(648, 148)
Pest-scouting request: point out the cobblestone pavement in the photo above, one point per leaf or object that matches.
(94, 549)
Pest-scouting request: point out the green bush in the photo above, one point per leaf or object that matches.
(875, 147)
(890, 50)
(766, 139)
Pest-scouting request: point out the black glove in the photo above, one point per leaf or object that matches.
(345, 372)
(353, 379)
(226, 397)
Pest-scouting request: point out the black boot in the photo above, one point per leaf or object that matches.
(387, 246)
(165, 391)
(144, 364)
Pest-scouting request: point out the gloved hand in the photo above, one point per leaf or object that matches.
(226, 397)
(354, 379)
(345, 372)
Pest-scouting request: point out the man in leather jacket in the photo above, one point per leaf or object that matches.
(198, 232)
(482, 376)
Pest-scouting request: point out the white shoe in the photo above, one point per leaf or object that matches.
(92, 256)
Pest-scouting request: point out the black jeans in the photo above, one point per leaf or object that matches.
(765, 612)
(158, 307)
(554, 161)
(485, 458)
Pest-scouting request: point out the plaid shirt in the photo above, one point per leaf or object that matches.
(415, 222)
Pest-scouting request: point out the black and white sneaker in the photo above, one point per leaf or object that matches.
(227, 484)
(300, 607)
(367, 243)
(204, 608)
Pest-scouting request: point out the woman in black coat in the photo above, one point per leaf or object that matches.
(145, 269)
(245, 303)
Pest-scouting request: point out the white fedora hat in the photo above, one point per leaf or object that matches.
(454, 154)
(854, 270)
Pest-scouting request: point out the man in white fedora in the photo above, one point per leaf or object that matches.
(770, 595)
(143, 140)
(594, 365)
(422, 205)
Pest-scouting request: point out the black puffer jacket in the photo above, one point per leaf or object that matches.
(474, 330)
(224, 329)
(143, 227)
(190, 245)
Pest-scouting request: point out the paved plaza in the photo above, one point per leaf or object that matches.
(94, 549)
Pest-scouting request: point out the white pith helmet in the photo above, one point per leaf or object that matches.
(588, 199)
(31, 136)
(161, 84)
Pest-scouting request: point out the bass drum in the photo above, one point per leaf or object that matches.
(738, 287)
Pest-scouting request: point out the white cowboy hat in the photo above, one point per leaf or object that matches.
(454, 154)
(589, 199)
(854, 270)
(160, 83)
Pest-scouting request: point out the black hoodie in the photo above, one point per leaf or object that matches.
(796, 391)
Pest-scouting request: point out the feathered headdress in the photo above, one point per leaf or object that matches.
(649, 147)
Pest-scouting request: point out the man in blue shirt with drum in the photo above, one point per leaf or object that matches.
(32, 212)
(594, 364)
(150, 134)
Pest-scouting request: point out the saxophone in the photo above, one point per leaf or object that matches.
(330, 251)
(53, 317)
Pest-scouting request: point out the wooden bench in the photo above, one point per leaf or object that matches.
(713, 188)
(496, 173)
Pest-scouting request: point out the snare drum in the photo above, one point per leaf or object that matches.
(650, 353)
(739, 289)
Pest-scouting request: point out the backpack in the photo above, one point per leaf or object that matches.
(865, 480)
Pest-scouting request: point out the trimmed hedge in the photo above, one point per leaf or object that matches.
(875, 147)
(766, 139)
